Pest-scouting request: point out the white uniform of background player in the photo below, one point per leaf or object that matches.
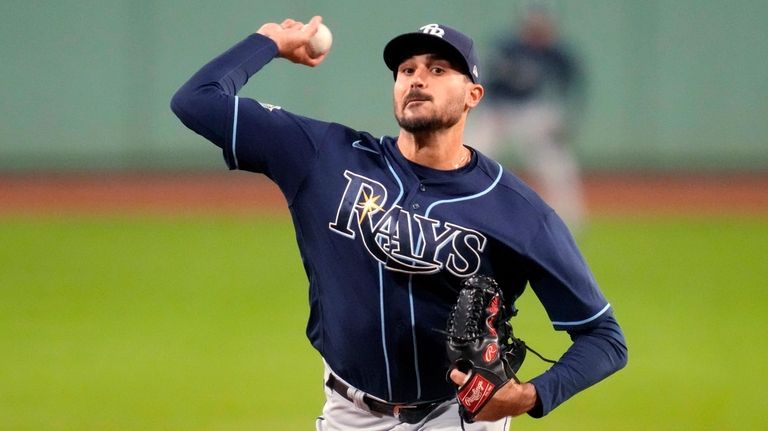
(533, 93)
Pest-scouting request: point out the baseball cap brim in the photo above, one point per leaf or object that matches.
(407, 45)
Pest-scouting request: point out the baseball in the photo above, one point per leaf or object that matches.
(321, 42)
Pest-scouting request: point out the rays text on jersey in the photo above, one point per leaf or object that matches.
(405, 242)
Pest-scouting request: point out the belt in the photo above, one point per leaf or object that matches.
(408, 413)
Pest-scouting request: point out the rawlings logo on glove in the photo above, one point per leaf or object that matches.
(476, 393)
(480, 343)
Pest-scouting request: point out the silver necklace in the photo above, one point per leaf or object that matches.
(464, 158)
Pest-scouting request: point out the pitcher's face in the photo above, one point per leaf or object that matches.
(430, 94)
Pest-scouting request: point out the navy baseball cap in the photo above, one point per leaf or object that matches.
(457, 47)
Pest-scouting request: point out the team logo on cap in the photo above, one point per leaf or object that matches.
(433, 29)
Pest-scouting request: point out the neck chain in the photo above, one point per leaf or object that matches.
(465, 158)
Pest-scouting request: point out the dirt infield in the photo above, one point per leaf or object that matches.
(243, 193)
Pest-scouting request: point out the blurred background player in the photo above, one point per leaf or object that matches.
(534, 93)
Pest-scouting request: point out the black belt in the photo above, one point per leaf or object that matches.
(408, 413)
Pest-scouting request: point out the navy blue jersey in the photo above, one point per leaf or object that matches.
(385, 242)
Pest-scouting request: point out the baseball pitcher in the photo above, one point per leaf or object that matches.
(415, 246)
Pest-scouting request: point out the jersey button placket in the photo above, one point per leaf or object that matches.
(413, 196)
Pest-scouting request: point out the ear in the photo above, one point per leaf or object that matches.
(474, 94)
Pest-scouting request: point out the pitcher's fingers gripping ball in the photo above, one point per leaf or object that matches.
(320, 43)
(481, 344)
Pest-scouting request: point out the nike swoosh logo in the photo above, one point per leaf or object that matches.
(359, 145)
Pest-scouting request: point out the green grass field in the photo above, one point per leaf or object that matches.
(159, 323)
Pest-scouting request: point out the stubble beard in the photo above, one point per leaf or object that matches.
(431, 122)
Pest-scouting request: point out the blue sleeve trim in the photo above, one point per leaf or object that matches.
(581, 322)
(234, 134)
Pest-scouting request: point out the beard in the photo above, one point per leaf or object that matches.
(426, 124)
(431, 122)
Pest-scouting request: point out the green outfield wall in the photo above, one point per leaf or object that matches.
(85, 85)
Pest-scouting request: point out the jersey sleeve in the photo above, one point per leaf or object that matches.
(569, 293)
(561, 278)
(275, 142)
(597, 352)
(253, 136)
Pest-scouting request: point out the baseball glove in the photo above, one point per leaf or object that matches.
(481, 344)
